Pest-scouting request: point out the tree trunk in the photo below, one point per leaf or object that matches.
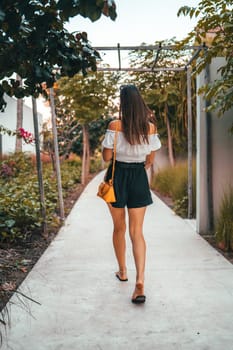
(19, 119)
(86, 155)
(169, 137)
(87, 167)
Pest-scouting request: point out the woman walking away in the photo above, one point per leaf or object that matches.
(136, 143)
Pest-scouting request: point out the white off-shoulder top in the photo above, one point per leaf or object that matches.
(130, 153)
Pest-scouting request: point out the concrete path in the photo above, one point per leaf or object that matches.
(189, 289)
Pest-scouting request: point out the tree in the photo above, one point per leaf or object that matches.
(165, 93)
(83, 100)
(36, 45)
(215, 18)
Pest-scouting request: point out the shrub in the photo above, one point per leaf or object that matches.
(19, 196)
(224, 225)
(15, 164)
(173, 182)
(95, 165)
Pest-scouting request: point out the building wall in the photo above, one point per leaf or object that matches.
(8, 120)
(221, 152)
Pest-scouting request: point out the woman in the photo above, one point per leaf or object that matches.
(136, 144)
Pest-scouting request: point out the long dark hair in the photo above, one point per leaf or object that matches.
(134, 115)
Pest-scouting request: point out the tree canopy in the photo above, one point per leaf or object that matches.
(35, 44)
(215, 21)
(84, 101)
(165, 93)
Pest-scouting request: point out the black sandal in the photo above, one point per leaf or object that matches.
(117, 274)
(140, 299)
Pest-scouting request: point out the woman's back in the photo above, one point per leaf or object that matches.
(126, 152)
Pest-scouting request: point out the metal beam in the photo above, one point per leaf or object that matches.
(190, 141)
(147, 47)
(149, 70)
(209, 180)
(195, 55)
(119, 55)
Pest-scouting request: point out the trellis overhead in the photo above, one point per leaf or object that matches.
(157, 49)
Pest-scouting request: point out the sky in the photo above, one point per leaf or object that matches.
(137, 22)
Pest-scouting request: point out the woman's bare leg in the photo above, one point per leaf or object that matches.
(119, 243)
(136, 219)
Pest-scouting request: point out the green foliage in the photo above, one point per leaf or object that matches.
(84, 101)
(34, 42)
(165, 92)
(224, 226)
(173, 182)
(87, 98)
(20, 215)
(96, 129)
(215, 28)
(16, 163)
(96, 164)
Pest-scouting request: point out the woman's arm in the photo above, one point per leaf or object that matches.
(150, 159)
(107, 154)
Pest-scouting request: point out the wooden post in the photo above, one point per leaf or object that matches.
(56, 152)
(19, 119)
(39, 168)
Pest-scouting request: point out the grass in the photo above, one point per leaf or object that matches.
(173, 182)
(224, 225)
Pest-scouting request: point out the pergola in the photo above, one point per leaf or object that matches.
(186, 67)
(157, 49)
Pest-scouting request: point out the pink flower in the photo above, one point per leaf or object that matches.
(26, 135)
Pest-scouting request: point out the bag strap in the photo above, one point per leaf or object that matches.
(114, 152)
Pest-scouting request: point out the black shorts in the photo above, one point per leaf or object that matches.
(130, 184)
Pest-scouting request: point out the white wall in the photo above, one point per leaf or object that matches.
(8, 120)
(221, 153)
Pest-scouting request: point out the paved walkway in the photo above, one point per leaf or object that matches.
(189, 288)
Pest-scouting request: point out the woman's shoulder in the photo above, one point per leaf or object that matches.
(115, 125)
(152, 129)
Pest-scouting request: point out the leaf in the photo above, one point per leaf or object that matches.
(8, 286)
(10, 223)
(24, 269)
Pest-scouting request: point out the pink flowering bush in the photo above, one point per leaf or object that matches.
(21, 133)
(26, 135)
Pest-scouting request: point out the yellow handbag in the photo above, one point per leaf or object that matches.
(106, 189)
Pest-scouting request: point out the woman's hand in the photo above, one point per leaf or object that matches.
(150, 160)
